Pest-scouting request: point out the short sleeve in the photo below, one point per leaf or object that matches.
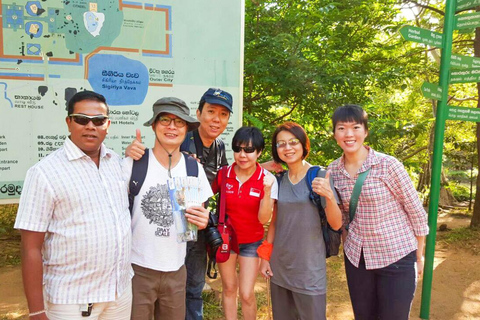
(37, 202)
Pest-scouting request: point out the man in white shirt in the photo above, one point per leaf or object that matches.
(75, 224)
(158, 258)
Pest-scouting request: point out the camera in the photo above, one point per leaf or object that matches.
(212, 236)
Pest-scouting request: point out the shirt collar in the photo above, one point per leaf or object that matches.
(372, 159)
(257, 175)
(73, 152)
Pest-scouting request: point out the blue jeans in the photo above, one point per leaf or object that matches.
(196, 263)
(384, 293)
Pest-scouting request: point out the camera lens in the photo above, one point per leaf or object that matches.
(213, 237)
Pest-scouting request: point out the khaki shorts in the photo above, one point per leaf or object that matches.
(158, 293)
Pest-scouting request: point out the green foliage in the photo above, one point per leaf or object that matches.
(459, 191)
(8, 214)
(305, 58)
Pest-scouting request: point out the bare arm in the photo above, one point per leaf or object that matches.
(265, 269)
(272, 166)
(421, 245)
(32, 271)
(266, 204)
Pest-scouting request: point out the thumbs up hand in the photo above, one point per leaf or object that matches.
(321, 186)
(136, 149)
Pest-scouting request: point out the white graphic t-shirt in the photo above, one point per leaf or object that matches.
(154, 236)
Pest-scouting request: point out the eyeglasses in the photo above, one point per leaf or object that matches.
(237, 149)
(83, 119)
(291, 143)
(165, 121)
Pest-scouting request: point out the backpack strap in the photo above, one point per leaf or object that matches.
(279, 176)
(221, 154)
(185, 146)
(192, 165)
(312, 173)
(139, 172)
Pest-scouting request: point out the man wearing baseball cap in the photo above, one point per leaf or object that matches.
(158, 260)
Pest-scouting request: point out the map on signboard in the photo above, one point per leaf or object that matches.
(132, 52)
(97, 36)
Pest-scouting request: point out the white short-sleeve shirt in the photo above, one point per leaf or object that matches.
(83, 209)
(154, 236)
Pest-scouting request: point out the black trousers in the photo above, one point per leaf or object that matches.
(385, 293)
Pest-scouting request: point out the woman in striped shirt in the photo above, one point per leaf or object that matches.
(384, 242)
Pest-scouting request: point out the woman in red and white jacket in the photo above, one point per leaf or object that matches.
(251, 192)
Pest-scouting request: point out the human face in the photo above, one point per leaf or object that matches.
(246, 161)
(288, 153)
(350, 136)
(170, 136)
(213, 120)
(88, 137)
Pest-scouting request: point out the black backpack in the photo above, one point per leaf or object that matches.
(331, 237)
(139, 172)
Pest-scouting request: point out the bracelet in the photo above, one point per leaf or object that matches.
(31, 314)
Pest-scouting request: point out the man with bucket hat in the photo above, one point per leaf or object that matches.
(158, 257)
(213, 113)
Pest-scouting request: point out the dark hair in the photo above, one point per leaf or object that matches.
(200, 105)
(85, 95)
(350, 113)
(247, 135)
(299, 133)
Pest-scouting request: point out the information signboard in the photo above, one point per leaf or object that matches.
(132, 52)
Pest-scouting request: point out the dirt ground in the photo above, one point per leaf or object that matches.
(455, 292)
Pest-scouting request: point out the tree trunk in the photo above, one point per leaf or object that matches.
(445, 198)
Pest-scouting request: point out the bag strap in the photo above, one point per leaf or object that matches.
(312, 173)
(357, 189)
(191, 164)
(223, 188)
(139, 172)
(221, 222)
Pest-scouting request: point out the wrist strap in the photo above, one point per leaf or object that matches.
(31, 314)
(357, 189)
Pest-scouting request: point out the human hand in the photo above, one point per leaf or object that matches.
(268, 181)
(420, 264)
(265, 269)
(321, 186)
(197, 215)
(136, 149)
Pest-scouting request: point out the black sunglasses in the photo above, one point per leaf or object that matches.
(237, 149)
(83, 120)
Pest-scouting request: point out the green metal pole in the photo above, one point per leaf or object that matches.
(437, 157)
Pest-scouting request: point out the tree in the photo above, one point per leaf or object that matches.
(304, 58)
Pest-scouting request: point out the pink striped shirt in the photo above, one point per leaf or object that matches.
(389, 214)
(84, 212)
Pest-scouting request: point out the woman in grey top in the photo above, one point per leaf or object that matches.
(297, 264)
